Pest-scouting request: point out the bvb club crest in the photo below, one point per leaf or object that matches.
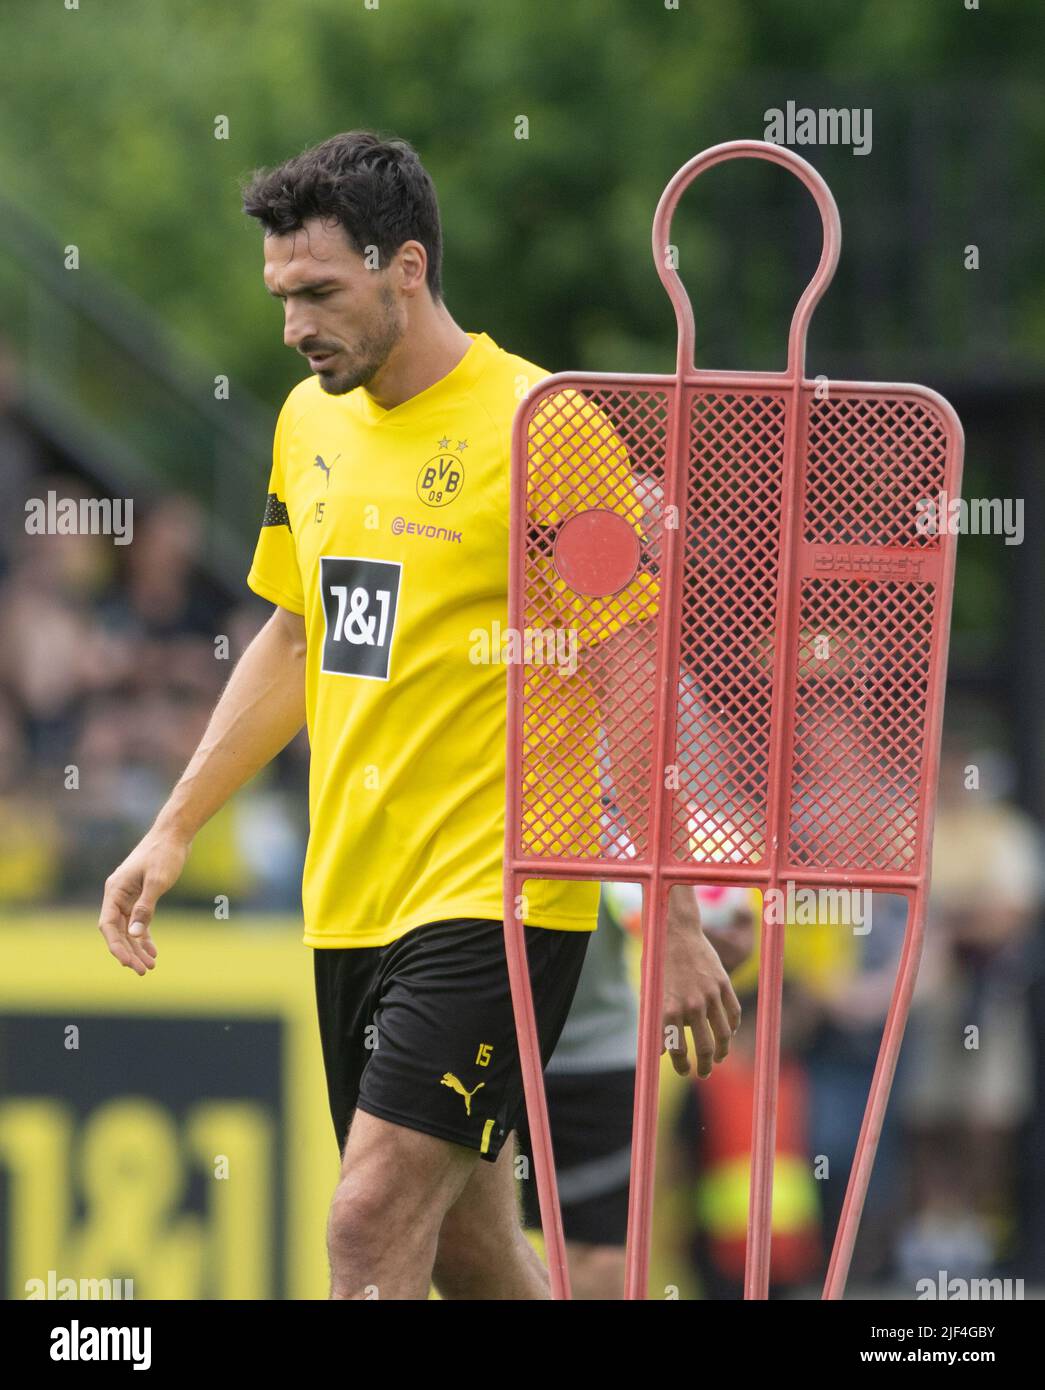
(440, 480)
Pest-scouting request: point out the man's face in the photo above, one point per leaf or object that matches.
(342, 316)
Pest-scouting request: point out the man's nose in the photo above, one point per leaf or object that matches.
(298, 325)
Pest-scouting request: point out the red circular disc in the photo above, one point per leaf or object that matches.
(596, 553)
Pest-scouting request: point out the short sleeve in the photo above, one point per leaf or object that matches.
(578, 462)
(274, 572)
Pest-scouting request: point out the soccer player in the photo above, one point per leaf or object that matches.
(384, 548)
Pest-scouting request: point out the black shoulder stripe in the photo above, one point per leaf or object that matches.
(276, 513)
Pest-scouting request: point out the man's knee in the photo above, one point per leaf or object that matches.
(356, 1213)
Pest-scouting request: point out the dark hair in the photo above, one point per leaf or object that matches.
(378, 190)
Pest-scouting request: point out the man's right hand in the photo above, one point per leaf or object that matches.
(131, 894)
(258, 713)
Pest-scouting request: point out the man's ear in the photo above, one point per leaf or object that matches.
(413, 265)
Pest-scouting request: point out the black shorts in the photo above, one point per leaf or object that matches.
(590, 1117)
(421, 1032)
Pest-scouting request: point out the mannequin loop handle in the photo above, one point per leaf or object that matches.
(699, 164)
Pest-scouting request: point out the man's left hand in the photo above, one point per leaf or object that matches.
(697, 991)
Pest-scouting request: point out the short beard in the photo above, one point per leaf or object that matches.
(374, 349)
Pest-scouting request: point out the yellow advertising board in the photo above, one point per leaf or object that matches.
(171, 1130)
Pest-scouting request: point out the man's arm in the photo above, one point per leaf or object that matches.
(259, 712)
(581, 463)
(697, 991)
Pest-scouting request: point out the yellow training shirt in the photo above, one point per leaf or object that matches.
(388, 531)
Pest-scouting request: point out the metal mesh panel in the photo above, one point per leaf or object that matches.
(729, 583)
(864, 642)
(859, 731)
(588, 450)
(857, 682)
(870, 461)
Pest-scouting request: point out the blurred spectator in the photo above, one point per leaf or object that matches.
(109, 670)
(845, 1011)
(163, 595)
(838, 985)
(19, 456)
(713, 1133)
(30, 838)
(51, 650)
(969, 1084)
